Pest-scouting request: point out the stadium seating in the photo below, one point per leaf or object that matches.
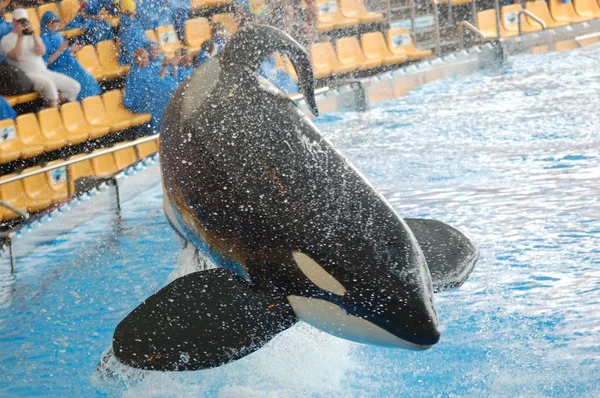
(540, 9)
(52, 129)
(228, 20)
(68, 11)
(400, 42)
(57, 181)
(151, 35)
(357, 9)
(104, 165)
(125, 157)
(330, 16)
(350, 53)
(118, 114)
(510, 20)
(38, 194)
(108, 56)
(47, 7)
(486, 21)
(10, 144)
(146, 149)
(28, 130)
(325, 61)
(95, 115)
(11, 193)
(167, 38)
(587, 8)
(51, 121)
(78, 170)
(88, 58)
(21, 99)
(197, 31)
(375, 48)
(564, 12)
(76, 123)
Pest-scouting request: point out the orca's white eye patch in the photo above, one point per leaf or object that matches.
(317, 274)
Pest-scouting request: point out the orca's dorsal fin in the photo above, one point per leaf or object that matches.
(199, 321)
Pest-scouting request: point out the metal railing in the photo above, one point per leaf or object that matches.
(467, 25)
(436, 22)
(530, 15)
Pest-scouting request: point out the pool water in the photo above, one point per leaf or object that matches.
(510, 155)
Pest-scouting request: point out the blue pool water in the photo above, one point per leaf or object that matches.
(510, 155)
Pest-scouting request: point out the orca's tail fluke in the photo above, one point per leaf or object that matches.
(252, 44)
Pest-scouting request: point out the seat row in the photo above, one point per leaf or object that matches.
(40, 191)
(558, 14)
(101, 61)
(342, 14)
(373, 51)
(30, 135)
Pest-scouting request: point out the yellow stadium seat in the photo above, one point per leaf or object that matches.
(72, 32)
(228, 20)
(197, 31)
(400, 42)
(38, 194)
(564, 12)
(289, 67)
(350, 53)
(96, 115)
(78, 170)
(587, 8)
(113, 103)
(113, 20)
(151, 35)
(200, 4)
(104, 165)
(28, 130)
(47, 7)
(76, 123)
(167, 38)
(125, 157)
(57, 181)
(68, 11)
(357, 9)
(107, 54)
(88, 59)
(34, 20)
(8, 17)
(10, 144)
(52, 128)
(375, 48)
(22, 98)
(510, 20)
(146, 149)
(329, 14)
(540, 9)
(12, 100)
(11, 193)
(325, 62)
(486, 21)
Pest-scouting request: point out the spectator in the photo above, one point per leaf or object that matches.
(184, 62)
(94, 26)
(6, 111)
(157, 62)
(154, 13)
(214, 45)
(24, 49)
(5, 27)
(60, 59)
(251, 11)
(146, 92)
(131, 33)
(181, 11)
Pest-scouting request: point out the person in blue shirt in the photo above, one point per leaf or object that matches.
(154, 13)
(6, 111)
(157, 62)
(96, 28)
(146, 91)
(59, 58)
(214, 45)
(181, 11)
(131, 33)
(183, 62)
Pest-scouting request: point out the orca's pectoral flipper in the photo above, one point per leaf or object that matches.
(450, 254)
(199, 321)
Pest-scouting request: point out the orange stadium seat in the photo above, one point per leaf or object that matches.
(486, 21)
(330, 16)
(12, 100)
(38, 194)
(47, 7)
(400, 42)
(564, 12)
(34, 20)
(228, 20)
(28, 130)
(96, 116)
(113, 20)
(197, 31)
(11, 193)
(76, 123)
(146, 149)
(587, 8)
(10, 144)
(167, 38)
(113, 103)
(57, 181)
(68, 11)
(125, 157)
(107, 54)
(350, 53)
(200, 4)
(357, 9)
(283, 63)
(325, 62)
(151, 35)
(88, 58)
(375, 48)
(104, 165)
(540, 9)
(52, 128)
(78, 170)
(22, 98)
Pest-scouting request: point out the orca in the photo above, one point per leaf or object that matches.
(297, 232)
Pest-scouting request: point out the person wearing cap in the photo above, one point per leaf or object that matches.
(25, 50)
(131, 32)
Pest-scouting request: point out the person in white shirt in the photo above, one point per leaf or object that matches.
(24, 50)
